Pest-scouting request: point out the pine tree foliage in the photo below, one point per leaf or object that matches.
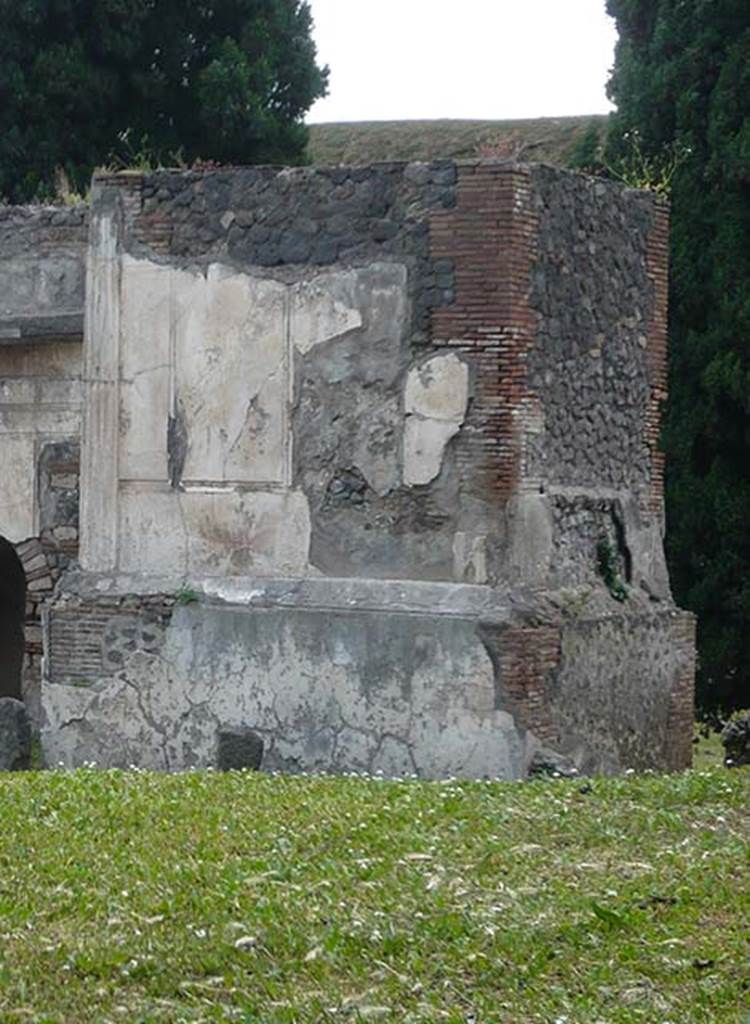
(682, 79)
(83, 84)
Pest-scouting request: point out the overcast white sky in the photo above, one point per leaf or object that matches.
(404, 59)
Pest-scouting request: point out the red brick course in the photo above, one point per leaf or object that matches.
(490, 236)
(679, 754)
(526, 656)
(657, 258)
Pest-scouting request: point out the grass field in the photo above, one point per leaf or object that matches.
(548, 140)
(241, 897)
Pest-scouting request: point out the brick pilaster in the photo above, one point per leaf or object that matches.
(657, 261)
(490, 236)
(525, 657)
(679, 754)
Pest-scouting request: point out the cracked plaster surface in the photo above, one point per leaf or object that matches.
(395, 694)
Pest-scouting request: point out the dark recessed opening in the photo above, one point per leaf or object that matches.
(12, 612)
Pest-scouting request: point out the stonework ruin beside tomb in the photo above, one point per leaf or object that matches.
(353, 469)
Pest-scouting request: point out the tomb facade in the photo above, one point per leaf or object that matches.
(370, 472)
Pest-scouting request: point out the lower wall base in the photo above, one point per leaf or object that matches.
(623, 694)
(464, 691)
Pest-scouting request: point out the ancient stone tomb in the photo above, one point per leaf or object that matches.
(369, 477)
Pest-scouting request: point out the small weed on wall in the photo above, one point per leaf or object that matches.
(608, 568)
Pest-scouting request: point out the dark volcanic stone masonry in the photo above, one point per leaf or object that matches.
(593, 297)
(272, 218)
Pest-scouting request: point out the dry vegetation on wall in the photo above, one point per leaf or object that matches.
(543, 140)
(147, 898)
(547, 140)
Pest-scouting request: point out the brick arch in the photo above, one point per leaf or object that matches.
(41, 566)
(12, 614)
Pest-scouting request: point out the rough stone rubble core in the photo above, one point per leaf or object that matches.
(354, 440)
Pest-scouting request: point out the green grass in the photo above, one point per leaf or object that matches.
(548, 139)
(708, 751)
(241, 897)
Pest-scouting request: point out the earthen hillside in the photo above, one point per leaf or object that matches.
(547, 140)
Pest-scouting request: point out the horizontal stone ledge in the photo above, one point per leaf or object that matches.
(461, 600)
(15, 330)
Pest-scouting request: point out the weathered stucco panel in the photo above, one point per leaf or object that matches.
(17, 497)
(351, 432)
(32, 284)
(40, 403)
(324, 308)
(145, 370)
(229, 533)
(49, 241)
(435, 400)
(231, 376)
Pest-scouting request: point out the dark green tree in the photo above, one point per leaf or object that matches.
(682, 82)
(83, 82)
(585, 155)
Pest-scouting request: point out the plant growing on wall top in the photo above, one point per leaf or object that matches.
(637, 169)
(631, 166)
(229, 80)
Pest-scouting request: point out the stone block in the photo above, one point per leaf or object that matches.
(735, 738)
(15, 736)
(238, 749)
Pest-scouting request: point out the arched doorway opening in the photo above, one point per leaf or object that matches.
(12, 613)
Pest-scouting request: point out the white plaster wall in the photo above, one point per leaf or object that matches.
(40, 402)
(211, 348)
(224, 533)
(190, 373)
(145, 370)
(232, 376)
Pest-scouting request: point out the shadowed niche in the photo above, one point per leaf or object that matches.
(12, 610)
